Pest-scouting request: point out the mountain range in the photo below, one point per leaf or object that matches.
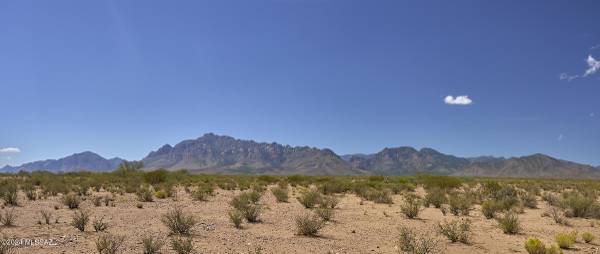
(212, 153)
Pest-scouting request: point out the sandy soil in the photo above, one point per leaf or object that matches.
(357, 228)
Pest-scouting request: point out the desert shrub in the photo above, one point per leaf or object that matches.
(333, 186)
(459, 204)
(308, 225)
(203, 192)
(435, 197)
(411, 242)
(100, 225)
(108, 199)
(9, 217)
(309, 199)
(577, 205)
(161, 194)
(456, 231)
(236, 218)
(281, 194)
(182, 245)
(379, 196)
(145, 194)
(552, 199)
(252, 212)
(509, 223)
(109, 244)
(329, 201)
(411, 206)
(529, 200)
(245, 203)
(553, 250)
(152, 245)
(490, 207)
(9, 192)
(535, 246)
(71, 200)
(30, 192)
(80, 220)
(325, 213)
(46, 216)
(97, 201)
(588, 237)
(156, 176)
(557, 215)
(566, 240)
(178, 221)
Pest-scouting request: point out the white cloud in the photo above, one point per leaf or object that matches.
(593, 66)
(458, 100)
(595, 47)
(564, 76)
(560, 137)
(592, 114)
(10, 150)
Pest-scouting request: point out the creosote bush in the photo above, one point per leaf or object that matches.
(490, 207)
(9, 192)
(236, 218)
(329, 201)
(109, 243)
(145, 194)
(182, 245)
(9, 217)
(100, 225)
(325, 213)
(203, 192)
(80, 220)
(310, 198)
(71, 200)
(456, 231)
(281, 194)
(509, 223)
(411, 206)
(178, 221)
(308, 225)
(152, 244)
(379, 196)
(460, 204)
(435, 197)
(412, 242)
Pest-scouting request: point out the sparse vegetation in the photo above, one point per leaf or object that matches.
(236, 218)
(509, 223)
(456, 231)
(413, 243)
(325, 213)
(281, 194)
(109, 244)
(309, 198)
(178, 221)
(182, 245)
(588, 237)
(152, 244)
(100, 225)
(566, 240)
(411, 206)
(9, 217)
(80, 220)
(308, 225)
(71, 200)
(46, 216)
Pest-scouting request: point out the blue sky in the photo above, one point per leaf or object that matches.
(121, 78)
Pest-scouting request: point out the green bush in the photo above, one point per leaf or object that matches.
(535, 246)
(529, 200)
(490, 207)
(145, 194)
(182, 245)
(379, 196)
(236, 218)
(459, 204)
(202, 192)
(152, 245)
(577, 205)
(71, 200)
(9, 192)
(566, 240)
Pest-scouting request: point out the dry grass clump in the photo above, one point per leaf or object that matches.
(308, 225)
(557, 215)
(46, 216)
(145, 194)
(309, 198)
(182, 245)
(80, 220)
(535, 246)
(9, 192)
(71, 200)
(509, 223)
(203, 192)
(414, 243)
(236, 218)
(109, 244)
(411, 206)
(529, 200)
(280, 193)
(379, 196)
(490, 208)
(329, 201)
(325, 213)
(9, 217)
(588, 237)
(456, 231)
(246, 204)
(100, 225)
(152, 244)
(566, 240)
(178, 221)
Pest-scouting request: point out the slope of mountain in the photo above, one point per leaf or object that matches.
(76, 162)
(537, 165)
(223, 154)
(407, 160)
